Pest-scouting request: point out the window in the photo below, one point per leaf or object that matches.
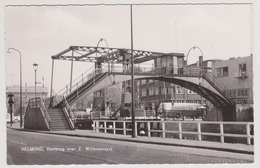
(144, 92)
(164, 61)
(151, 92)
(169, 90)
(149, 81)
(220, 72)
(128, 89)
(246, 92)
(137, 83)
(158, 63)
(190, 92)
(156, 90)
(163, 90)
(242, 92)
(225, 71)
(242, 70)
(234, 93)
(179, 90)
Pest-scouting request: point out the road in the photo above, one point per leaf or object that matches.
(30, 148)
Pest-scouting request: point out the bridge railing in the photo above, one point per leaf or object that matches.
(149, 69)
(181, 130)
(68, 113)
(143, 69)
(76, 82)
(217, 84)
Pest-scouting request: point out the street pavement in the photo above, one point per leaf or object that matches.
(234, 148)
(87, 147)
(30, 148)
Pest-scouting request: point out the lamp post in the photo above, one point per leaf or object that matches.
(100, 40)
(132, 77)
(200, 59)
(21, 117)
(35, 67)
(194, 47)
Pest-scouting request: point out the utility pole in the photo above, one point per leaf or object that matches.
(132, 77)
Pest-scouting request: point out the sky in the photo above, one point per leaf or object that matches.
(38, 32)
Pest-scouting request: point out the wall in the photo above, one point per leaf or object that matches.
(214, 114)
(234, 83)
(34, 120)
(231, 81)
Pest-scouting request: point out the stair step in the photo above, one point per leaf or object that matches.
(58, 119)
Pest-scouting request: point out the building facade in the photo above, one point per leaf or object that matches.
(237, 76)
(150, 93)
(28, 92)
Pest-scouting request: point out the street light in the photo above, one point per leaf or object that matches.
(200, 60)
(100, 40)
(35, 67)
(194, 47)
(132, 76)
(21, 117)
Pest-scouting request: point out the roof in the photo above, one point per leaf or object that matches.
(28, 89)
(105, 54)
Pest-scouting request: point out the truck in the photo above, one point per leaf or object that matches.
(181, 110)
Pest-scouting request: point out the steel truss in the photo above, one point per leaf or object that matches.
(106, 54)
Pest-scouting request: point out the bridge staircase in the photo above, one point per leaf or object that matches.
(80, 90)
(116, 112)
(58, 119)
(41, 116)
(222, 89)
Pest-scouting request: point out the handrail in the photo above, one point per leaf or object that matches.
(61, 92)
(217, 84)
(77, 85)
(68, 113)
(111, 125)
(94, 79)
(45, 111)
(38, 103)
(117, 110)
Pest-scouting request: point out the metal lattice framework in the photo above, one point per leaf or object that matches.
(106, 54)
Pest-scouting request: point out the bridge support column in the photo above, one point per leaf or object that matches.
(52, 69)
(71, 72)
(229, 113)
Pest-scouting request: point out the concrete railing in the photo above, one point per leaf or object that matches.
(146, 128)
(38, 102)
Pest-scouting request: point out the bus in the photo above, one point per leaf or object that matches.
(182, 110)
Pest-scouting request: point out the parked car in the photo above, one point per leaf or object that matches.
(16, 119)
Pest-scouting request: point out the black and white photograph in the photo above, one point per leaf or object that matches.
(134, 83)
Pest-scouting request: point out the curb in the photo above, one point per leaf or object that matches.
(140, 141)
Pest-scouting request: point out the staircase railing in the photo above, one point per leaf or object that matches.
(93, 80)
(209, 77)
(117, 110)
(76, 87)
(38, 103)
(68, 113)
(76, 82)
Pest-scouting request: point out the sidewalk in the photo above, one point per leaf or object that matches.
(228, 147)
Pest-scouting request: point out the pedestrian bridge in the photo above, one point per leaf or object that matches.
(112, 66)
(201, 83)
